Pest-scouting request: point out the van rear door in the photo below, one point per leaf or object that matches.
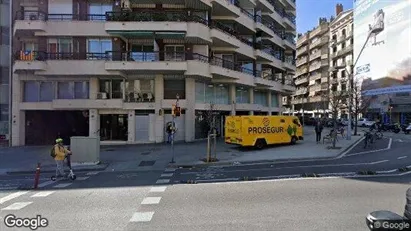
(233, 125)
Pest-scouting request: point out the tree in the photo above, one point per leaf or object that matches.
(210, 116)
(337, 101)
(359, 105)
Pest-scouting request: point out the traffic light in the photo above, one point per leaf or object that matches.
(175, 111)
(178, 111)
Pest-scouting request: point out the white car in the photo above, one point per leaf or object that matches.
(363, 122)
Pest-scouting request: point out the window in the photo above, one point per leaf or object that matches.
(97, 48)
(260, 98)
(97, 11)
(4, 75)
(334, 49)
(334, 63)
(174, 87)
(335, 37)
(344, 32)
(60, 48)
(343, 74)
(174, 53)
(274, 100)
(31, 91)
(81, 90)
(343, 45)
(242, 95)
(63, 10)
(5, 35)
(73, 90)
(46, 91)
(144, 53)
(113, 88)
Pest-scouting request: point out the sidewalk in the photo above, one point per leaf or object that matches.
(158, 156)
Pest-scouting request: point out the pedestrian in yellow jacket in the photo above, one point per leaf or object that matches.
(61, 153)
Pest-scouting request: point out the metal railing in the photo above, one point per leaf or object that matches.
(154, 16)
(42, 16)
(230, 31)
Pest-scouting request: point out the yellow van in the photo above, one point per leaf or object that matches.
(259, 131)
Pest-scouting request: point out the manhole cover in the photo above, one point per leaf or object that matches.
(147, 163)
(145, 153)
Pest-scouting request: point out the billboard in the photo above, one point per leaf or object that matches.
(382, 41)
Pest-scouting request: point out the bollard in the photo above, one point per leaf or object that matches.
(37, 176)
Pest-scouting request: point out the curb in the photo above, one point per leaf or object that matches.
(341, 154)
(97, 167)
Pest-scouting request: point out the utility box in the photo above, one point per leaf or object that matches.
(86, 150)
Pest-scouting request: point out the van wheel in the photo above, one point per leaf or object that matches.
(260, 143)
(293, 140)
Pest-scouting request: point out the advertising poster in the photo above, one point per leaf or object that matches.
(384, 66)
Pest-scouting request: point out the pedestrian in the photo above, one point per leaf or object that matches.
(60, 153)
(318, 130)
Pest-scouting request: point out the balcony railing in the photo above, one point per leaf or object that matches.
(289, 17)
(230, 31)
(42, 16)
(154, 16)
(290, 60)
(269, 50)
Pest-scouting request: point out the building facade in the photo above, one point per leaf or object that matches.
(114, 69)
(5, 71)
(341, 54)
(311, 78)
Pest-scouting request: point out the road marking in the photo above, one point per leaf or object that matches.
(142, 217)
(62, 185)
(11, 196)
(151, 200)
(162, 181)
(387, 171)
(170, 170)
(42, 194)
(167, 175)
(401, 157)
(82, 178)
(372, 151)
(46, 183)
(92, 173)
(379, 162)
(17, 206)
(158, 189)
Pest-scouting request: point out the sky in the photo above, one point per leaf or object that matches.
(308, 12)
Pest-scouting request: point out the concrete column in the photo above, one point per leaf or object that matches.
(232, 92)
(251, 91)
(280, 104)
(18, 119)
(270, 110)
(94, 123)
(158, 99)
(131, 126)
(94, 88)
(292, 106)
(190, 110)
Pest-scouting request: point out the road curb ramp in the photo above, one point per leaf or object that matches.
(366, 172)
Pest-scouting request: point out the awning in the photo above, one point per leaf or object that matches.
(149, 34)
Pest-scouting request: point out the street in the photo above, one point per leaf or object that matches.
(266, 196)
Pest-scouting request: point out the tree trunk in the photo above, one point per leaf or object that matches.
(333, 134)
(356, 115)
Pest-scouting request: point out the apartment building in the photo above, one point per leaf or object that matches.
(114, 69)
(341, 52)
(311, 78)
(4, 71)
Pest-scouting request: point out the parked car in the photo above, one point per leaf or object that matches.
(364, 122)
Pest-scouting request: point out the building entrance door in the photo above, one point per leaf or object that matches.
(114, 127)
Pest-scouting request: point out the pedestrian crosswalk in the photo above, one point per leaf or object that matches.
(19, 200)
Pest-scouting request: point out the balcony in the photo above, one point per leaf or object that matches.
(301, 80)
(225, 8)
(267, 80)
(324, 79)
(324, 86)
(318, 75)
(55, 64)
(29, 61)
(315, 88)
(30, 21)
(301, 71)
(101, 102)
(316, 98)
(301, 91)
(267, 55)
(157, 62)
(302, 61)
(302, 40)
(226, 69)
(320, 30)
(299, 101)
(266, 6)
(319, 42)
(157, 24)
(302, 50)
(344, 37)
(265, 26)
(289, 41)
(315, 66)
(289, 21)
(289, 63)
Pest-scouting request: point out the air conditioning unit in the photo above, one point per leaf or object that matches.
(102, 95)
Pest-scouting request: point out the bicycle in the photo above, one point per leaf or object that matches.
(369, 139)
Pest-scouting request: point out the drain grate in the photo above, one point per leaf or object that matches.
(147, 163)
(145, 153)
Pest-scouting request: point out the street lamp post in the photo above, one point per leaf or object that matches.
(173, 131)
(351, 77)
